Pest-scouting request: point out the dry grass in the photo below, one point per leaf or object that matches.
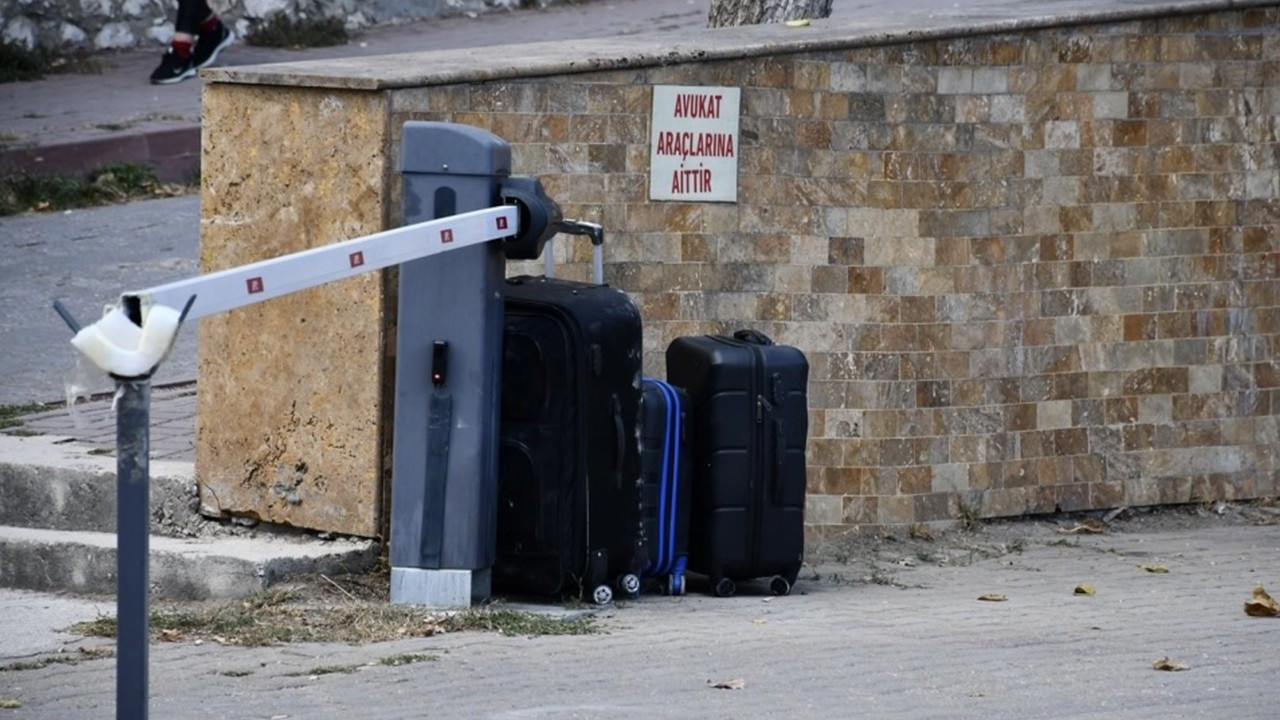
(351, 609)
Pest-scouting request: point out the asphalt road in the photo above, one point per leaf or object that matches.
(86, 258)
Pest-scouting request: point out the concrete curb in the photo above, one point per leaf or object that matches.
(58, 518)
(180, 569)
(174, 154)
(54, 483)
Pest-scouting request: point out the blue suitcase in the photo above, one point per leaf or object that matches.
(665, 487)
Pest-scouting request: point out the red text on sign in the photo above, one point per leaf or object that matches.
(697, 105)
(691, 144)
(695, 180)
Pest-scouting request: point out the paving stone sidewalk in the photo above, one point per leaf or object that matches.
(92, 423)
(910, 641)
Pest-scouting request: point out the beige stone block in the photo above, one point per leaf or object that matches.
(844, 423)
(809, 250)
(1059, 135)
(900, 251)
(868, 222)
(950, 478)
(1204, 379)
(1155, 409)
(288, 426)
(823, 509)
(1053, 414)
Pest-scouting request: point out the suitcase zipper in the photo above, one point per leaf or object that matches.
(759, 492)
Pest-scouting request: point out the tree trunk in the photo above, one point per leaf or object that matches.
(755, 12)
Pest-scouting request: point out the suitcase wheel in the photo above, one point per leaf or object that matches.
(629, 584)
(675, 584)
(725, 587)
(602, 595)
(779, 585)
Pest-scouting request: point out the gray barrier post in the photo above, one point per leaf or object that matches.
(133, 533)
(448, 360)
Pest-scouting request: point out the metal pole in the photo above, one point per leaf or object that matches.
(133, 524)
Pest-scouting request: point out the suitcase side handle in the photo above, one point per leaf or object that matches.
(620, 441)
(752, 336)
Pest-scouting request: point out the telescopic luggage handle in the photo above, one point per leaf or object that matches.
(752, 336)
(590, 229)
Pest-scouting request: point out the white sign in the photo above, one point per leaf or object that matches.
(693, 149)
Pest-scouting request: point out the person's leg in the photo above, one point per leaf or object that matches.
(178, 64)
(211, 39)
(191, 13)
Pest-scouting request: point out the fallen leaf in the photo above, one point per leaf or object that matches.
(1085, 589)
(992, 597)
(802, 22)
(734, 684)
(1089, 526)
(10, 704)
(759, 621)
(1158, 569)
(1261, 604)
(1170, 665)
(170, 635)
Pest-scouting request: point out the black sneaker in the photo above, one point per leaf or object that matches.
(172, 69)
(209, 44)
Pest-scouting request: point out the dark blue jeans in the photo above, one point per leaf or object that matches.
(190, 14)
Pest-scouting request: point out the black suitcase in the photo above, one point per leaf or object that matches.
(569, 462)
(750, 422)
(665, 474)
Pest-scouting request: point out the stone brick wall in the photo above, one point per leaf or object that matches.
(1032, 270)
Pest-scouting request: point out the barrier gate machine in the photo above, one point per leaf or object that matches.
(458, 197)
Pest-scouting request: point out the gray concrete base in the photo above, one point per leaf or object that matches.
(439, 588)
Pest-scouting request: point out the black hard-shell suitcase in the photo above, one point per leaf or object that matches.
(569, 464)
(750, 423)
(665, 473)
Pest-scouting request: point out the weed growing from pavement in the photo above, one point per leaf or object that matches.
(326, 670)
(85, 653)
(407, 659)
(108, 185)
(18, 63)
(10, 414)
(281, 31)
